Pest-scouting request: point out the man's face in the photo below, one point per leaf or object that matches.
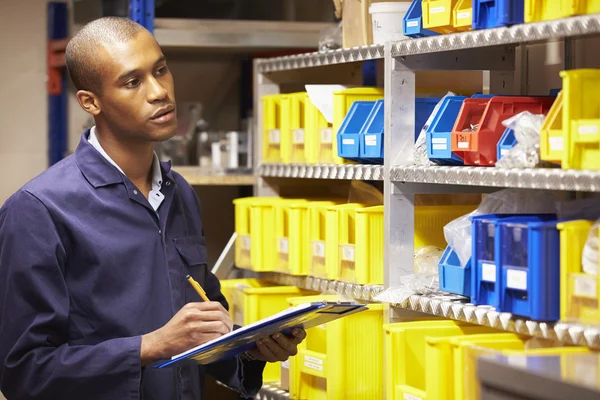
(138, 99)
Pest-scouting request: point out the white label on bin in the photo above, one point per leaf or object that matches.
(283, 245)
(488, 272)
(440, 147)
(517, 361)
(411, 397)
(313, 360)
(588, 130)
(326, 135)
(245, 242)
(556, 143)
(503, 152)
(437, 10)
(274, 136)
(347, 141)
(298, 136)
(463, 145)
(286, 364)
(516, 279)
(439, 140)
(319, 249)
(464, 15)
(313, 366)
(585, 286)
(370, 140)
(412, 24)
(348, 253)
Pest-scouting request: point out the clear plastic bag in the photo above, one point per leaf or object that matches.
(507, 201)
(331, 38)
(419, 154)
(526, 153)
(589, 258)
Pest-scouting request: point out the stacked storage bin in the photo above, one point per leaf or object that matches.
(551, 136)
(271, 134)
(544, 10)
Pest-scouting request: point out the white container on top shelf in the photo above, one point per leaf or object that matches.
(387, 21)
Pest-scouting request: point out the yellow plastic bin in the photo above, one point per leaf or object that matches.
(271, 147)
(361, 245)
(242, 228)
(288, 233)
(430, 222)
(342, 101)
(333, 227)
(581, 119)
(317, 236)
(342, 359)
(544, 10)
(579, 297)
(318, 135)
(293, 120)
(438, 15)
(552, 136)
(232, 290)
(462, 15)
(407, 366)
(263, 239)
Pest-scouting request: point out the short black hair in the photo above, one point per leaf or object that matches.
(83, 47)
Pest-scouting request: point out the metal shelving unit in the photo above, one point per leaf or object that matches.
(197, 176)
(322, 171)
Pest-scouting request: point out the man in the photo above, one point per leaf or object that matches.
(95, 251)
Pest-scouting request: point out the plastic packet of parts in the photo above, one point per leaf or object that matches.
(507, 201)
(526, 152)
(330, 38)
(424, 282)
(589, 257)
(419, 153)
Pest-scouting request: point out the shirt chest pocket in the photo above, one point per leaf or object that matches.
(192, 251)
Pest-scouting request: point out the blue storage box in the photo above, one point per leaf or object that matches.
(412, 23)
(348, 136)
(454, 278)
(496, 13)
(506, 142)
(529, 259)
(371, 147)
(439, 132)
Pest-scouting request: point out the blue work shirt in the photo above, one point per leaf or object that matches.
(88, 266)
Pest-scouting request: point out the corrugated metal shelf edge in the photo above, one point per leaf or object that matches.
(359, 292)
(272, 391)
(195, 176)
(484, 315)
(322, 58)
(523, 33)
(322, 171)
(532, 178)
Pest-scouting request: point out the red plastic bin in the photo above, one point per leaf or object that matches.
(479, 147)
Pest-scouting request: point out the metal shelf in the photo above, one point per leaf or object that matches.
(486, 316)
(197, 176)
(358, 292)
(568, 27)
(272, 391)
(317, 59)
(535, 178)
(322, 171)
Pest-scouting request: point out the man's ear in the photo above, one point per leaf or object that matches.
(89, 102)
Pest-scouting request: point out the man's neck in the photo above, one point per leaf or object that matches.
(135, 159)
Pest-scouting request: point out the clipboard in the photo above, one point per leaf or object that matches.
(305, 316)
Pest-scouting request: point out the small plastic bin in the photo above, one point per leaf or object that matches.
(348, 137)
(581, 119)
(462, 15)
(333, 236)
(231, 289)
(430, 222)
(544, 10)
(407, 367)
(453, 277)
(243, 231)
(317, 237)
(439, 133)
(479, 146)
(372, 136)
(579, 297)
(438, 15)
(271, 128)
(293, 138)
(507, 141)
(262, 236)
(290, 228)
(529, 259)
(342, 102)
(496, 13)
(318, 134)
(342, 359)
(551, 135)
(413, 21)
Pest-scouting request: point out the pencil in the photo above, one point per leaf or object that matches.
(198, 288)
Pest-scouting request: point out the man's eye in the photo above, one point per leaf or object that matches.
(161, 71)
(132, 83)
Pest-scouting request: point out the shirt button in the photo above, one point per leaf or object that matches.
(160, 232)
(168, 183)
(135, 192)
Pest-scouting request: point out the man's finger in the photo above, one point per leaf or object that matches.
(280, 353)
(288, 344)
(266, 352)
(299, 335)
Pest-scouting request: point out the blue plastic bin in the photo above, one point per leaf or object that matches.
(348, 136)
(412, 23)
(454, 278)
(439, 132)
(506, 142)
(371, 146)
(496, 13)
(529, 259)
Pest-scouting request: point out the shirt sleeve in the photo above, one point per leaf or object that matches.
(36, 359)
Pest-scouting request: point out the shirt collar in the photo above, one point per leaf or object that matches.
(102, 171)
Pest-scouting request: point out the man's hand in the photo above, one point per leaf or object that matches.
(194, 324)
(278, 347)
